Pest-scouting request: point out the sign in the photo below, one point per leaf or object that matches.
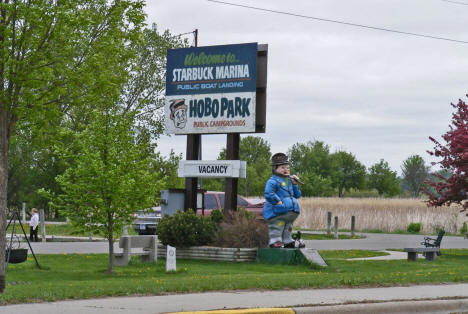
(212, 168)
(211, 89)
(171, 259)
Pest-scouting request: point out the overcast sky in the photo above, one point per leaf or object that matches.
(375, 94)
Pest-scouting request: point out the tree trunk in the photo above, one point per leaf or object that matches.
(3, 191)
(111, 242)
(111, 254)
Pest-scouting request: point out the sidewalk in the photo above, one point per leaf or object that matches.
(449, 298)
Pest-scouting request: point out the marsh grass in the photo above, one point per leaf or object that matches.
(77, 276)
(387, 215)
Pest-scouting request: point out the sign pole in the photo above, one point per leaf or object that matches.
(232, 153)
(193, 152)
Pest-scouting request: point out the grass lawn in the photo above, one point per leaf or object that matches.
(77, 276)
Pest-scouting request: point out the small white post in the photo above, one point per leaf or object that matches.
(171, 259)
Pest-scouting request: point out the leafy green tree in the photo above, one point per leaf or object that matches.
(109, 177)
(168, 168)
(144, 90)
(383, 179)
(55, 56)
(349, 173)
(312, 163)
(256, 152)
(414, 173)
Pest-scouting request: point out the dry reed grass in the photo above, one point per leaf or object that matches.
(375, 213)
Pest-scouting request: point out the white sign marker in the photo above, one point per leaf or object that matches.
(171, 259)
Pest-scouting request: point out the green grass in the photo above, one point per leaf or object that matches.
(75, 276)
(344, 254)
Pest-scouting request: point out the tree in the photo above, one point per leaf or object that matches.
(110, 176)
(312, 163)
(55, 56)
(452, 188)
(383, 179)
(256, 152)
(349, 173)
(414, 173)
(144, 90)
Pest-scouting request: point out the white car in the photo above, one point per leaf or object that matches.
(146, 220)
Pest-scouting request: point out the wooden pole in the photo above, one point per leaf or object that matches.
(193, 152)
(329, 219)
(336, 227)
(232, 153)
(353, 225)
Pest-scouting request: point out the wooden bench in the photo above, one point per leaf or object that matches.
(149, 244)
(429, 252)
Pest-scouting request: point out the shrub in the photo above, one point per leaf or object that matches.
(414, 227)
(464, 229)
(217, 216)
(241, 229)
(185, 229)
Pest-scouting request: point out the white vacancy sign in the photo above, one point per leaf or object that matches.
(212, 168)
(171, 259)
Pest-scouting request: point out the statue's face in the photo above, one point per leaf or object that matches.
(283, 170)
(180, 118)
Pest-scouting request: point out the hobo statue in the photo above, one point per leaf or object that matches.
(281, 206)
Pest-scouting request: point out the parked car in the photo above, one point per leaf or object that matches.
(145, 222)
(215, 200)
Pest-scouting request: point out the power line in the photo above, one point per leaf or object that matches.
(456, 2)
(339, 22)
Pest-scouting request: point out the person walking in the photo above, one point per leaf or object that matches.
(281, 205)
(33, 223)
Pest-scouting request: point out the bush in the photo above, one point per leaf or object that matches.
(241, 229)
(464, 229)
(414, 227)
(217, 216)
(185, 229)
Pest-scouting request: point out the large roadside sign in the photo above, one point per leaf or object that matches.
(212, 89)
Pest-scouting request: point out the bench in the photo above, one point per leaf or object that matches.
(149, 244)
(429, 252)
(431, 242)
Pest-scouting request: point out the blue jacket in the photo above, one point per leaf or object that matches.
(276, 189)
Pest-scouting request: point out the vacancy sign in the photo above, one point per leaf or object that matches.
(212, 168)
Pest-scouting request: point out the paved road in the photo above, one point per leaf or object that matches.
(380, 241)
(373, 241)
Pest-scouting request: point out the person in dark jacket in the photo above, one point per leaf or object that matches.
(281, 206)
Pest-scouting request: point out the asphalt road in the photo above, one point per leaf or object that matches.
(372, 241)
